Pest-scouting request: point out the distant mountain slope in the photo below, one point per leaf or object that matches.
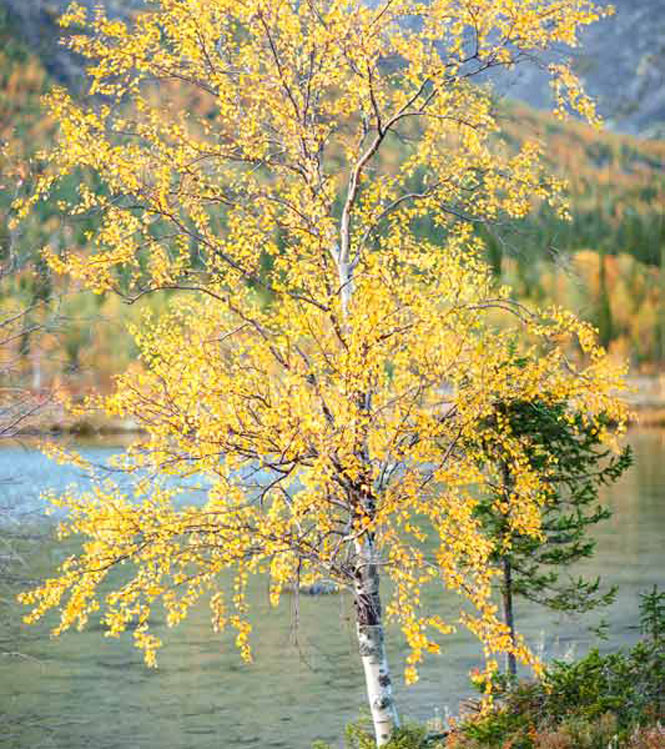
(622, 58)
(622, 61)
(617, 194)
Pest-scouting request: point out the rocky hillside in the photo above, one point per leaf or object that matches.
(622, 58)
(622, 61)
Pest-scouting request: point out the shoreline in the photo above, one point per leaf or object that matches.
(650, 416)
(646, 399)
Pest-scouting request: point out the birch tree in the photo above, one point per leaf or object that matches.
(322, 365)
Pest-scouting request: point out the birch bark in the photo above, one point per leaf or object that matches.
(369, 627)
(369, 617)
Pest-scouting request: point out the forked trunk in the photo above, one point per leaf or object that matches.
(369, 626)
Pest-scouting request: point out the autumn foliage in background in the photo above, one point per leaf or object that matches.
(616, 186)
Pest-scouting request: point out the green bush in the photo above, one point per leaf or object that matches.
(598, 701)
(360, 735)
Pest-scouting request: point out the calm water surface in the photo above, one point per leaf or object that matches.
(84, 690)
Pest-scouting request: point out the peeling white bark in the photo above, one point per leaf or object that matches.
(369, 627)
(345, 285)
(369, 618)
(377, 681)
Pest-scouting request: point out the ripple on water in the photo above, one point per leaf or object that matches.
(86, 690)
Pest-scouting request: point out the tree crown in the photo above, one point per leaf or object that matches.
(331, 364)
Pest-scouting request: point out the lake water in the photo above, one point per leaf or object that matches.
(84, 690)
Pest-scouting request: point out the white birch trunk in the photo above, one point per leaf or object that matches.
(345, 285)
(369, 618)
(369, 627)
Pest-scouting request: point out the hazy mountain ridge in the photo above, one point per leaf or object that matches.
(622, 61)
(622, 58)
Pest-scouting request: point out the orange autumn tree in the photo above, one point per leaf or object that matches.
(322, 365)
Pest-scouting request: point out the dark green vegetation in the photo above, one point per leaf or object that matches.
(599, 700)
(570, 453)
(610, 700)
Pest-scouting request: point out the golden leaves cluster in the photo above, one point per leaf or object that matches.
(320, 382)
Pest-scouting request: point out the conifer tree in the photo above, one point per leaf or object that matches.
(566, 450)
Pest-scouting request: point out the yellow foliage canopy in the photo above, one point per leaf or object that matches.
(331, 363)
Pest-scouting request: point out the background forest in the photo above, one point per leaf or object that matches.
(607, 263)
